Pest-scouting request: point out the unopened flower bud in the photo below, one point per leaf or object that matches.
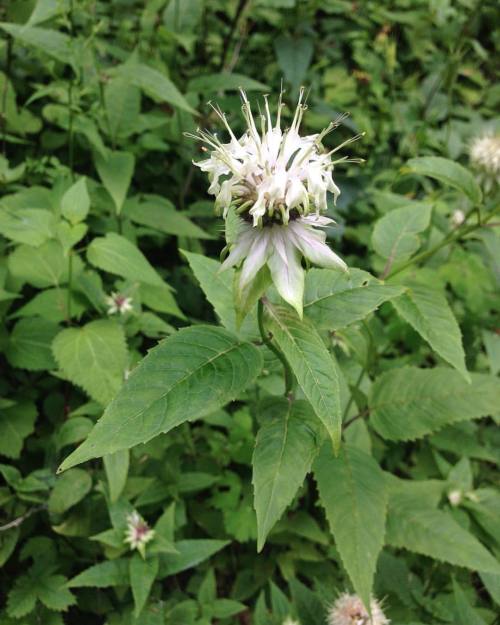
(138, 533)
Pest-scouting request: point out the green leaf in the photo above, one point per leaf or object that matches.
(464, 612)
(218, 289)
(116, 467)
(52, 305)
(395, 235)
(142, 575)
(69, 489)
(284, 450)
(53, 593)
(427, 310)
(409, 402)
(94, 357)
(188, 375)
(334, 299)
(491, 342)
(154, 84)
(22, 597)
(123, 107)
(294, 55)
(116, 170)
(116, 254)
(32, 226)
(103, 575)
(42, 266)
(160, 298)
(224, 608)
(29, 345)
(448, 172)
(314, 367)
(8, 542)
(75, 202)
(414, 526)
(16, 423)
(353, 493)
(307, 603)
(190, 554)
(225, 81)
(52, 42)
(160, 214)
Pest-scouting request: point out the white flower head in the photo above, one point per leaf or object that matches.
(277, 181)
(455, 497)
(349, 610)
(138, 533)
(485, 157)
(457, 217)
(118, 303)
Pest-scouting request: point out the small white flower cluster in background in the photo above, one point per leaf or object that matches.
(277, 182)
(349, 610)
(485, 157)
(118, 303)
(138, 533)
(290, 621)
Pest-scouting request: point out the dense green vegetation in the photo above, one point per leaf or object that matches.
(112, 302)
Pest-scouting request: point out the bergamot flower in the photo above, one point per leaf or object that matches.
(138, 533)
(277, 182)
(118, 303)
(485, 157)
(349, 610)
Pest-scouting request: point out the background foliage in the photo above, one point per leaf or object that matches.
(99, 196)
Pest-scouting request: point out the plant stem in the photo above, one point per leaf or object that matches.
(451, 238)
(267, 340)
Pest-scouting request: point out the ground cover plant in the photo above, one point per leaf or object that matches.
(250, 343)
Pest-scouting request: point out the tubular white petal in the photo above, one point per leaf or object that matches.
(312, 245)
(240, 249)
(256, 257)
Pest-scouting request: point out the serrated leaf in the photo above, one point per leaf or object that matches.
(116, 467)
(52, 305)
(409, 402)
(116, 170)
(52, 42)
(103, 575)
(189, 375)
(68, 490)
(430, 532)
(284, 450)
(312, 364)
(94, 357)
(218, 289)
(142, 575)
(16, 423)
(116, 254)
(29, 345)
(160, 214)
(427, 310)
(8, 541)
(446, 171)
(22, 597)
(27, 225)
(395, 235)
(42, 266)
(75, 203)
(190, 553)
(334, 299)
(352, 490)
(154, 84)
(53, 593)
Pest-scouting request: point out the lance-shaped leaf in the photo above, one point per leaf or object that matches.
(313, 366)
(353, 492)
(427, 310)
(284, 450)
(142, 575)
(334, 299)
(409, 402)
(116, 170)
(446, 171)
(187, 376)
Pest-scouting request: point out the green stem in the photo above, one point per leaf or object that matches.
(451, 238)
(267, 340)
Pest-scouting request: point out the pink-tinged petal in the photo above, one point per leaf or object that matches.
(256, 258)
(240, 249)
(312, 245)
(286, 269)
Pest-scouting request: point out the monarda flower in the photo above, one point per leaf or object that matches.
(349, 610)
(277, 182)
(118, 303)
(138, 533)
(485, 158)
